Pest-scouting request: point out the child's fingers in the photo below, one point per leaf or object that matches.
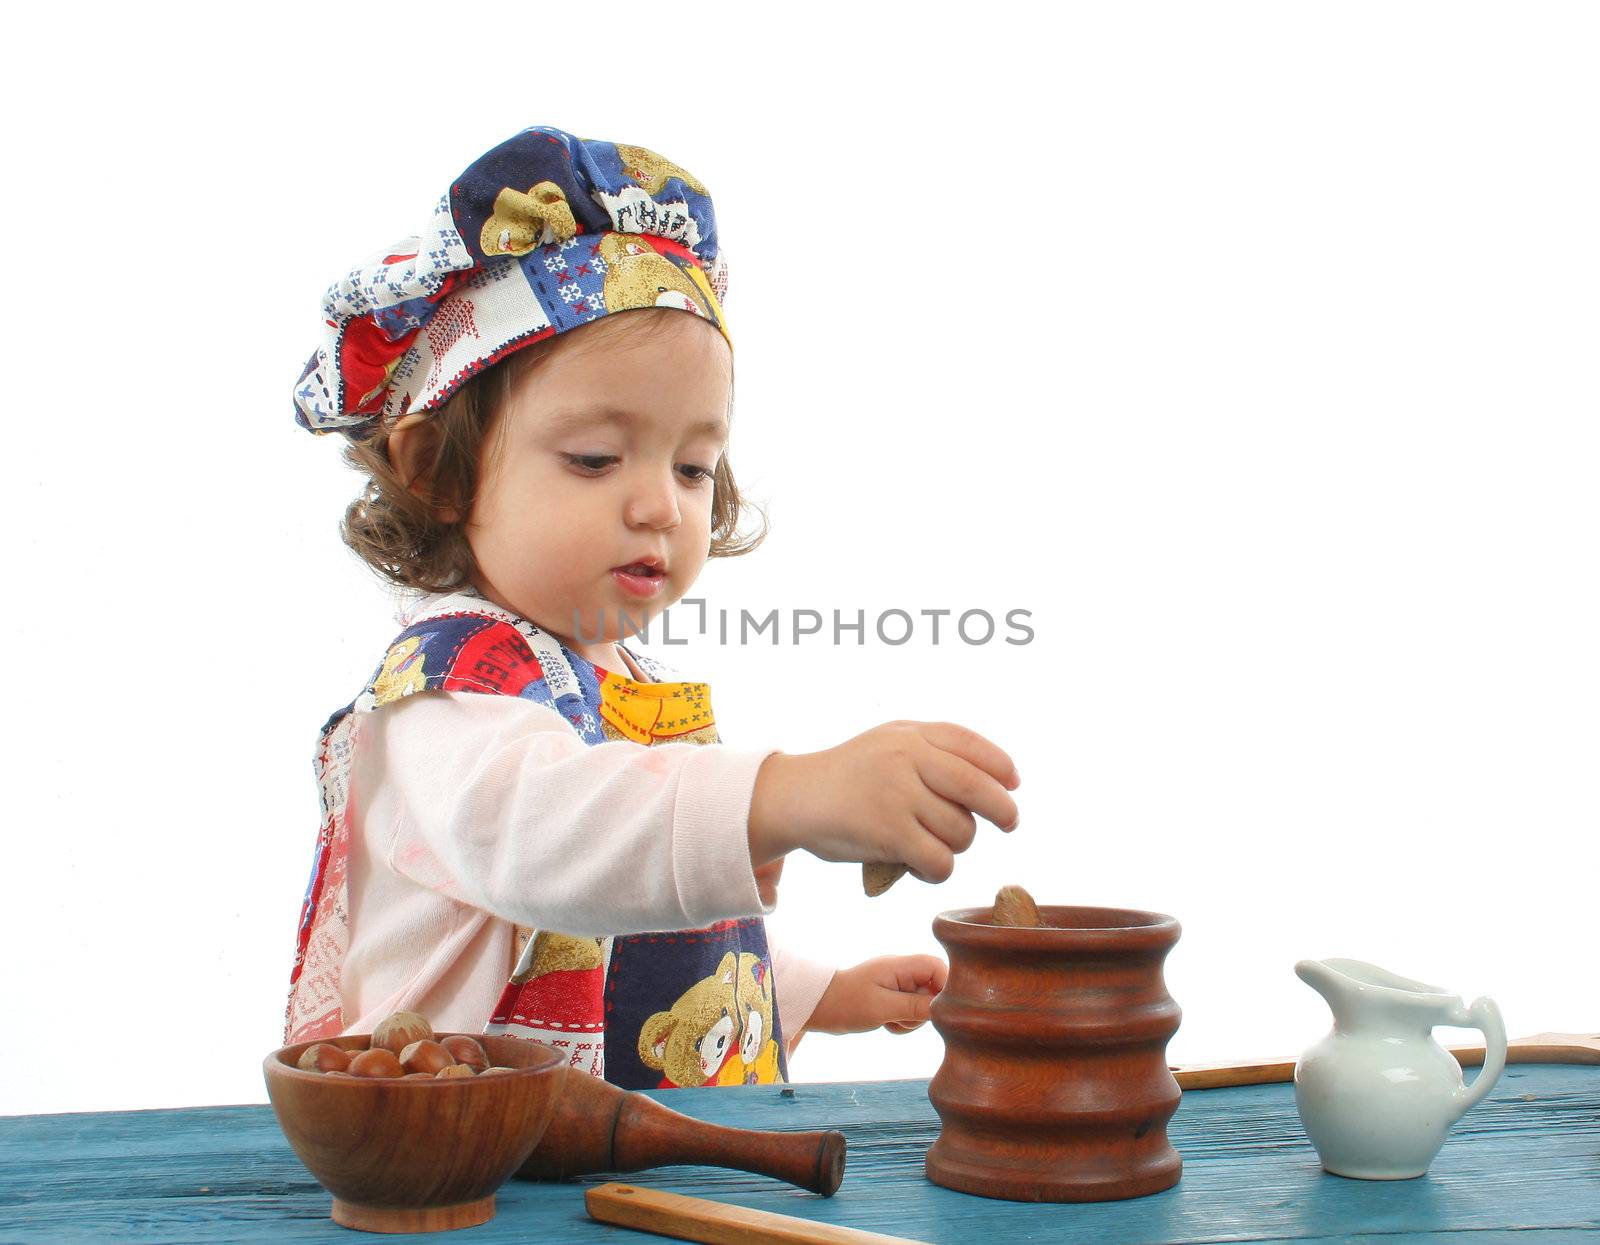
(920, 973)
(947, 819)
(951, 776)
(906, 988)
(927, 856)
(904, 1012)
(973, 747)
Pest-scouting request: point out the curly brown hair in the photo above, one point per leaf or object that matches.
(415, 537)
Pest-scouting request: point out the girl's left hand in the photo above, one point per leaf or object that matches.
(893, 992)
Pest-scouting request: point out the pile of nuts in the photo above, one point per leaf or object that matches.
(403, 1047)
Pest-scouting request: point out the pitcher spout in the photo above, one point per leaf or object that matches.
(1336, 989)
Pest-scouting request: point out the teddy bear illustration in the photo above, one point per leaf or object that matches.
(690, 1043)
(556, 953)
(757, 1062)
(639, 276)
(653, 172)
(401, 673)
(520, 222)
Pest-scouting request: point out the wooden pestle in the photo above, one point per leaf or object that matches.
(599, 1127)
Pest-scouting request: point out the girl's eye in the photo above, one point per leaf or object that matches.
(590, 462)
(594, 464)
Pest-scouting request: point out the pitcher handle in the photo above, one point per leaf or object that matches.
(1484, 1015)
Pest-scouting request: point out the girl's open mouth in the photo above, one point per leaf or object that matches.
(642, 579)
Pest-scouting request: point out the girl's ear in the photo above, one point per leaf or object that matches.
(411, 446)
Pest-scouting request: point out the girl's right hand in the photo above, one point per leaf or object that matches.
(901, 793)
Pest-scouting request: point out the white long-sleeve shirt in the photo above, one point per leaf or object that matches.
(471, 813)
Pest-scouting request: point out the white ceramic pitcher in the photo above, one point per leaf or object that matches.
(1378, 1094)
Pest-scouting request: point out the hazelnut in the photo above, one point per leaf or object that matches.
(323, 1057)
(467, 1050)
(426, 1056)
(1014, 906)
(395, 1033)
(376, 1062)
(454, 1070)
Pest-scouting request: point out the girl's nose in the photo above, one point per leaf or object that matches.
(653, 503)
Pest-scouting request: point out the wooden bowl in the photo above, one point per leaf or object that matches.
(415, 1156)
(1054, 1085)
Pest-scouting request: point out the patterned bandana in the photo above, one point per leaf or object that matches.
(539, 235)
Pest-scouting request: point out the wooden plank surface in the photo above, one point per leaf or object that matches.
(1527, 1161)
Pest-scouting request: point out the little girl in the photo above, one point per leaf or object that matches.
(552, 842)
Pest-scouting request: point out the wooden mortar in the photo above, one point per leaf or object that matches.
(1054, 1085)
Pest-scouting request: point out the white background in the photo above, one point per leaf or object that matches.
(1252, 347)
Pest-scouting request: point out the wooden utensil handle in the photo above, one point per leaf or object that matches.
(651, 1135)
(597, 1127)
(716, 1223)
(1575, 1048)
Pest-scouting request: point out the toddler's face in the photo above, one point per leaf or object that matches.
(602, 460)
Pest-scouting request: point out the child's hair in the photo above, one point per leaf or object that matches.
(398, 533)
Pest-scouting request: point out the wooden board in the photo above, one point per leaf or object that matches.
(1582, 1048)
(1527, 1159)
(658, 1212)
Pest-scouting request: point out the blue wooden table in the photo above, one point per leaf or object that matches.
(1524, 1166)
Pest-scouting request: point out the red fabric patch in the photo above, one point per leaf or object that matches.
(567, 999)
(364, 358)
(667, 246)
(365, 354)
(495, 659)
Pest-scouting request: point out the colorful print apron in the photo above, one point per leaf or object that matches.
(678, 1008)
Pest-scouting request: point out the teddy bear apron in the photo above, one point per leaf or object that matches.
(644, 1011)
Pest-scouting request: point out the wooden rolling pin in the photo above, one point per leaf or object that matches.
(1540, 1048)
(598, 1127)
(716, 1223)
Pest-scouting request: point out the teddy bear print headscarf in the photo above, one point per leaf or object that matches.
(539, 235)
